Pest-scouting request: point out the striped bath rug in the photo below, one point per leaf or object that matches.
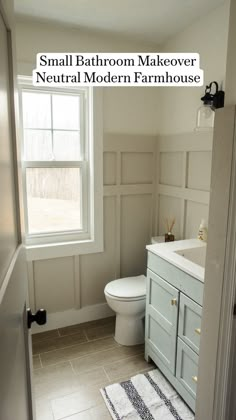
(145, 396)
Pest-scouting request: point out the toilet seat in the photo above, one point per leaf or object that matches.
(127, 289)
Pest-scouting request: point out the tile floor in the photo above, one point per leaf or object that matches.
(71, 364)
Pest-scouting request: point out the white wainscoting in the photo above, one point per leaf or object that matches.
(184, 182)
(71, 288)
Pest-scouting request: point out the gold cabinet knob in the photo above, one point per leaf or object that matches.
(198, 331)
(173, 302)
(194, 378)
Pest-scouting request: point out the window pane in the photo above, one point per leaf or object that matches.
(38, 145)
(66, 145)
(65, 112)
(36, 110)
(54, 199)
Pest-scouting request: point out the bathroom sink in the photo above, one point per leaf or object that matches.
(188, 254)
(195, 255)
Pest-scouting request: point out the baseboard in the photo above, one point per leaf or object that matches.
(74, 316)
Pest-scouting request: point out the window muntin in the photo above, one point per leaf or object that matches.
(56, 164)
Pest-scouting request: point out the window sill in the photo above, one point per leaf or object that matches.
(63, 249)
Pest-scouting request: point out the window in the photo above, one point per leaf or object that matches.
(59, 158)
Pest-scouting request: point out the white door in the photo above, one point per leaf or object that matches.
(15, 386)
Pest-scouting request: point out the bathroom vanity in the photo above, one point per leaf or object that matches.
(175, 283)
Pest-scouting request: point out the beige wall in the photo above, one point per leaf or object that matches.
(126, 110)
(183, 188)
(208, 37)
(230, 90)
(132, 119)
(184, 182)
(71, 288)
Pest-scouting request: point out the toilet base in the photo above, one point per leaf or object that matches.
(129, 330)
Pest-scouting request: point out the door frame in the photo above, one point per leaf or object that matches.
(217, 339)
(7, 14)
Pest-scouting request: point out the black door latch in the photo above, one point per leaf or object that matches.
(40, 317)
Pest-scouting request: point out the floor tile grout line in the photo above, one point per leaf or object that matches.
(86, 335)
(121, 378)
(54, 418)
(72, 367)
(66, 335)
(60, 333)
(67, 362)
(40, 362)
(95, 339)
(69, 393)
(106, 374)
(103, 366)
(47, 338)
(100, 367)
(149, 368)
(114, 347)
(59, 348)
(67, 347)
(98, 386)
(125, 358)
(111, 381)
(93, 406)
(84, 331)
(78, 412)
(100, 338)
(74, 358)
(93, 353)
(73, 345)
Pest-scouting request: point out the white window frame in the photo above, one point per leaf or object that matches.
(90, 239)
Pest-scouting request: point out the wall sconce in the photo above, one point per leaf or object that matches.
(211, 101)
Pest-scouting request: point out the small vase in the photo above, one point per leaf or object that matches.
(169, 237)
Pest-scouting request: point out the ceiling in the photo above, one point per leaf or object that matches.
(148, 20)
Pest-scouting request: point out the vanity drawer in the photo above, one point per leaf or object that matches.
(190, 322)
(187, 284)
(187, 368)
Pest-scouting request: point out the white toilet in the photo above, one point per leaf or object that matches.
(127, 298)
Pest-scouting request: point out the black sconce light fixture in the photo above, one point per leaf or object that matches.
(211, 101)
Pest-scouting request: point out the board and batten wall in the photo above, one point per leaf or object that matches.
(184, 172)
(207, 36)
(184, 182)
(71, 288)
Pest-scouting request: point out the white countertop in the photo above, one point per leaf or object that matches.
(167, 252)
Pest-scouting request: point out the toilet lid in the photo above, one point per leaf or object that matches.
(128, 287)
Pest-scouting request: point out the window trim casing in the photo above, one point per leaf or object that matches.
(69, 244)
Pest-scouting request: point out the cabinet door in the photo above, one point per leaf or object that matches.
(161, 319)
(190, 322)
(187, 368)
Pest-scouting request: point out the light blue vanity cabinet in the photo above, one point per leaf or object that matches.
(163, 318)
(173, 324)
